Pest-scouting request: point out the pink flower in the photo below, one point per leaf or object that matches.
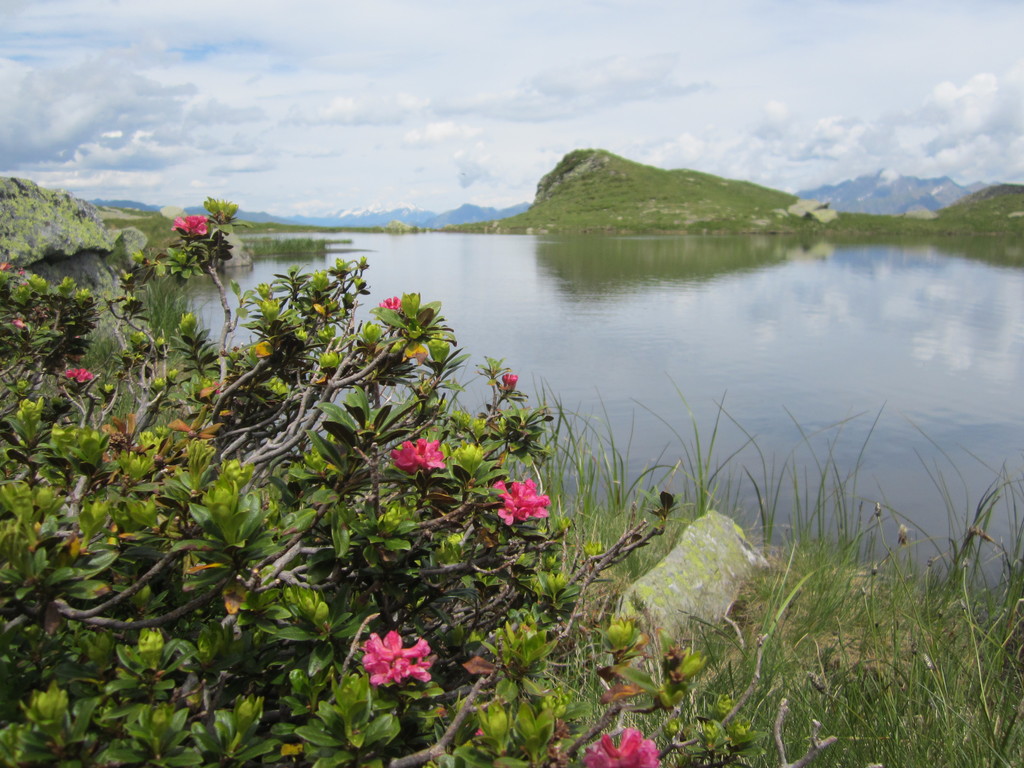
(393, 303)
(634, 751)
(191, 226)
(81, 375)
(388, 662)
(521, 502)
(424, 454)
(18, 323)
(509, 381)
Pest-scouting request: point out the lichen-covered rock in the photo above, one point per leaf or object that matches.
(53, 233)
(128, 241)
(38, 223)
(700, 577)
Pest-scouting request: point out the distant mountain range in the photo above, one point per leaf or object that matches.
(883, 193)
(363, 217)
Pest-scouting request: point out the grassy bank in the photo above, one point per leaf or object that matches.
(267, 246)
(910, 659)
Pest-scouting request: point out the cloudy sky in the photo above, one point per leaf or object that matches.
(315, 106)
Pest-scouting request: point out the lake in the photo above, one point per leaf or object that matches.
(902, 365)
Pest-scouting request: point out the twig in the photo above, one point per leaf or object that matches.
(438, 749)
(813, 750)
(753, 683)
(355, 642)
(167, 618)
(72, 613)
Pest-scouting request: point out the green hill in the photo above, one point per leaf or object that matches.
(592, 190)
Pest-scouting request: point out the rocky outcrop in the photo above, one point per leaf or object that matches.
(574, 165)
(921, 213)
(54, 234)
(699, 579)
(812, 209)
(996, 190)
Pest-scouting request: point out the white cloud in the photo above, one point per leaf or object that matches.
(373, 110)
(473, 166)
(46, 116)
(440, 132)
(579, 90)
(349, 103)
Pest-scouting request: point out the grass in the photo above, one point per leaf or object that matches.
(164, 303)
(266, 246)
(909, 658)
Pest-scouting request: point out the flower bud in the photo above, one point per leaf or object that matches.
(330, 360)
(248, 710)
(47, 709)
(270, 309)
(439, 349)
(469, 457)
(371, 333)
(151, 647)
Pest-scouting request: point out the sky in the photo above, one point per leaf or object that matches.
(313, 107)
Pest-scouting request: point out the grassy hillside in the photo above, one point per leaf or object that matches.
(596, 191)
(593, 190)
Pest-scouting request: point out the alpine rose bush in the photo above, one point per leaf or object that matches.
(388, 662)
(81, 375)
(634, 751)
(422, 455)
(191, 226)
(521, 501)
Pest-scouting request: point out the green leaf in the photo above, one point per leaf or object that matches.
(383, 728)
(322, 655)
(639, 677)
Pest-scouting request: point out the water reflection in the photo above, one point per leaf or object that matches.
(813, 350)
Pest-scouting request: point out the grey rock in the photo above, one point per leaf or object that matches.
(812, 209)
(53, 233)
(699, 579)
(921, 213)
(126, 244)
(823, 215)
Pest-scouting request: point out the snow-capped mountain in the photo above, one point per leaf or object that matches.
(889, 193)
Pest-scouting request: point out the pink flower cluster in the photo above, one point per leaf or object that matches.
(423, 454)
(634, 751)
(521, 502)
(191, 226)
(388, 662)
(393, 303)
(81, 375)
(509, 381)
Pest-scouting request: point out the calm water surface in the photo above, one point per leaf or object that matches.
(905, 363)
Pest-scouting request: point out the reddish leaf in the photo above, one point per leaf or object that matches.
(621, 691)
(479, 666)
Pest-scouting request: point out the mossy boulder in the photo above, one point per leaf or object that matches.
(128, 241)
(53, 233)
(699, 579)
